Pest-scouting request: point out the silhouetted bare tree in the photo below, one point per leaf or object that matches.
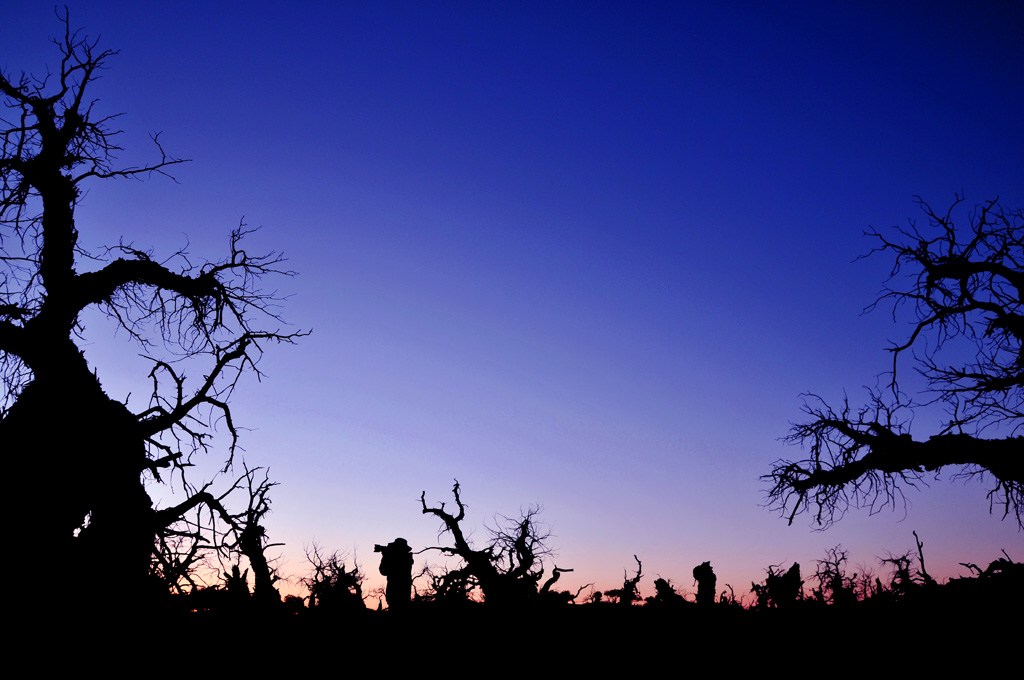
(1002, 565)
(86, 454)
(834, 586)
(781, 589)
(202, 530)
(630, 590)
(905, 580)
(559, 596)
(966, 291)
(510, 567)
(333, 587)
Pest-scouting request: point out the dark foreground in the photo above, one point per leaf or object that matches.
(980, 627)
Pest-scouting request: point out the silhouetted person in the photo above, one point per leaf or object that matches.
(706, 583)
(396, 564)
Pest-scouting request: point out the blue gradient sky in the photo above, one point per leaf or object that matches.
(586, 255)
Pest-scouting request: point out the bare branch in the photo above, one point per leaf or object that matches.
(966, 288)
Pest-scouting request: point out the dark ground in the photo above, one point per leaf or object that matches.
(972, 629)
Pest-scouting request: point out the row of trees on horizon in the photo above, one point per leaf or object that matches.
(515, 570)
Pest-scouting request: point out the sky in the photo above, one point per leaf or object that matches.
(586, 255)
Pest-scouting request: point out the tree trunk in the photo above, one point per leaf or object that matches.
(78, 458)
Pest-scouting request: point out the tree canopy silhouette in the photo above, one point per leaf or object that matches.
(87, 457)
(966, 293)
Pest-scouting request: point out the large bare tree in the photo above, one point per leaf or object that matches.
(964, 285)
(77, 461)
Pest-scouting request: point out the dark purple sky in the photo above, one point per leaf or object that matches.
(582, 254)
